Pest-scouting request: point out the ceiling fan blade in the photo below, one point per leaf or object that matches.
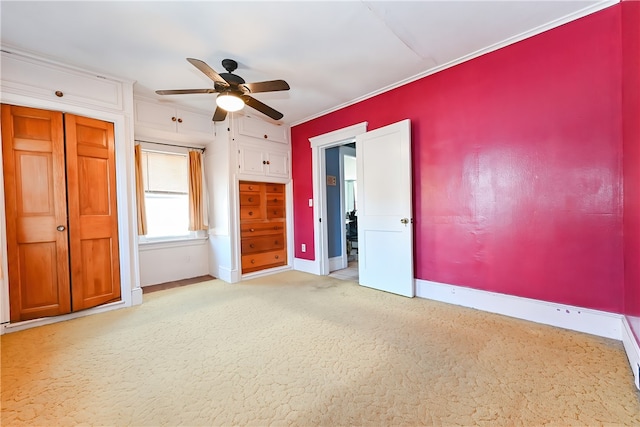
(184, 91)
(208, 71)
(270, 86)
(263, 108)
(219, 115)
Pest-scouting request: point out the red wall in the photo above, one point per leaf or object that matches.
(517, 166)
(631, 164)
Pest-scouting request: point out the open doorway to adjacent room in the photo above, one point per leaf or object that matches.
(342, 211)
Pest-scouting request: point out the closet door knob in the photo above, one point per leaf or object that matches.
(179, 120)
(173, 119)
(60, 228)
(59, 94)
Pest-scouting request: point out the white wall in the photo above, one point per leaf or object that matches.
(160, 263)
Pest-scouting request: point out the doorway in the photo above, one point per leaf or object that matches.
(341, 206)
(320, 145)
(385, 223)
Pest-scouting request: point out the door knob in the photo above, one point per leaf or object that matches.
(60, 228)
(405, 221)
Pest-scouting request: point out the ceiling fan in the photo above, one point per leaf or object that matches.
(233, 91)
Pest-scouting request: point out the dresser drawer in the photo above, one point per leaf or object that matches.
(253, 187)
(261, 229)
(250, 212)
(250, 199)
(275, 199)
(274, 212)
(251, 245)
(254, 262)
(274, 188)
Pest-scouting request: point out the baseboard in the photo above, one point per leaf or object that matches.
(136, 296)
(578, 319)
(27, 324)
(337, 263)
(631, 348)
(228, 275)
(306, 266)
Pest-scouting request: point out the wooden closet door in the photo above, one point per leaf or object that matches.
(93, 220)
(36, 206)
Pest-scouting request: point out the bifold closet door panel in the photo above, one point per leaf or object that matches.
(36, 212)
(93, 220)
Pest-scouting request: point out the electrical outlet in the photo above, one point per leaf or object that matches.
(304, 248)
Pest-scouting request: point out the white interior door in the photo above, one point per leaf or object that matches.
(385, 224)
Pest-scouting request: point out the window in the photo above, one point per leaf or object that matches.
(166, 193)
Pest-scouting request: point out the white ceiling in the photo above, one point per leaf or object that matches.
(330, 53)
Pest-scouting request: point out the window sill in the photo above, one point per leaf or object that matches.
(173, 243)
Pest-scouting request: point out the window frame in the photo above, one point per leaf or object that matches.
(194, 237)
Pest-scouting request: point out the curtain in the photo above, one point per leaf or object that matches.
(141, 211)
(197, 197)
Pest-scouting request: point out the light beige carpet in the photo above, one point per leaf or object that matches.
(297, 349)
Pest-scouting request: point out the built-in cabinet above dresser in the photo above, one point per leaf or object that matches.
(263, 147)
(250, 161)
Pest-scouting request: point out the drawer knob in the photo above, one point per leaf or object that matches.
(59, 94)
(275, 212)
(251, 199)
(252, 245)
(250, 188)
(173, 119)
(277, 257)
(250, 213)
(253, 261)
(252, 230)
(275, 243)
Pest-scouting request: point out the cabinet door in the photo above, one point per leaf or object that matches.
(278, 164)
(156, 116)
(47, 81)
(36, 212)
(191, 122)
(93, 219)
(252, 161)
(257, 128)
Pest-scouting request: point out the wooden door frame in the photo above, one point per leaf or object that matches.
(131, 293)
(320, 264)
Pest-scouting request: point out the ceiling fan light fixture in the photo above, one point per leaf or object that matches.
(229, 102)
